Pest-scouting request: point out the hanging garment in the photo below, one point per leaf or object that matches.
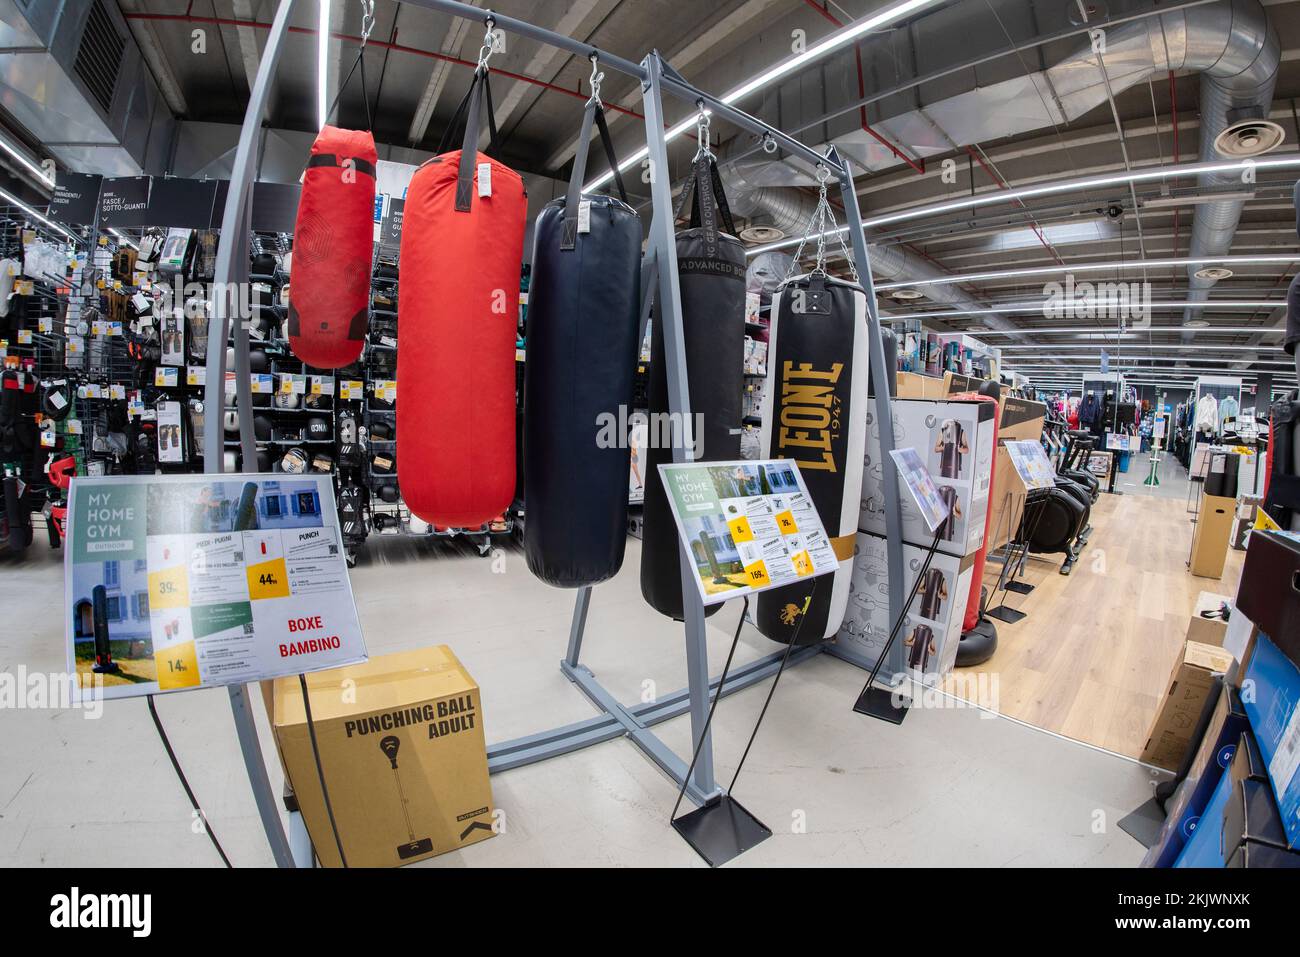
(1228, 409)
(1207, 414)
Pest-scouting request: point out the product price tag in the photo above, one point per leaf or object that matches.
(45, 324)
(76, 346)
(74, 426)
(166, 376)
(114, 329)
(350, 389)
(117, 392)
(24, 337)
(94, 390)
(48, 438)
(196, 375)
(322, 385)
(97, 327)
(386, 389)
(24, 287)
(485, 179)
(262, 383)
(292, 383)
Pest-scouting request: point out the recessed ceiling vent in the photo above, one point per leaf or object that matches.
(1213, 272)
(1249, 138)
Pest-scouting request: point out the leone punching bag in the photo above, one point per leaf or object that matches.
(711, 276)
(462, 245)
(333, 239)
(579, 379)
(815, 414)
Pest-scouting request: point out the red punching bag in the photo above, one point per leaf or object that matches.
(977, 577)
(462, 245)
(329, 290)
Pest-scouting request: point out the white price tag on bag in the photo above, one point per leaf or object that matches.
(584, 216)
(485, 179)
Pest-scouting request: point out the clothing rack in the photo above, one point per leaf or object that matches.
(660, 267)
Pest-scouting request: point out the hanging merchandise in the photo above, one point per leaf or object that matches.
(462, 243)
(711, 275)
(1282, 491)
(815, 413)
(333, 240)
(579, 376)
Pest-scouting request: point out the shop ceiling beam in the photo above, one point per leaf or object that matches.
(452, 42)
(146, 37)
(247, 40)
(232, 268)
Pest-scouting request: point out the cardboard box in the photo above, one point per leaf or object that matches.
(1189, 684)
(955, 383)
(1273, 706)
(1213, 755)
(401, 746)
(913, 385)
(933, 625)
(1210, 540)
(955, 441)
(1208, 631)
(1021, 418)
(1269, 593)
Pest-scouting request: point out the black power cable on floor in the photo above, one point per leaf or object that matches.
(194, 802)
(320, 771)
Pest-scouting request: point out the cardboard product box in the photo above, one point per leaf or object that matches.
(1208, 631)
(1021, 418)
(913, 385)
(1269, 593)
(1271, 694)
(1210, 539)
(956, 382)
(402, 749)
(1213, 756)
(1188, 686)
(932, 630)
(955, 441)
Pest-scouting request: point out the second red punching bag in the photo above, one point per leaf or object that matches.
(462, 245)
(329, 291)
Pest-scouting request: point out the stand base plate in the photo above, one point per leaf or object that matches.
(1009, 615)
(721, 830)
(880, 703)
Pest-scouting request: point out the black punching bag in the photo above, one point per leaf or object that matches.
(104, 663)
(711, 274)
(583, 311)
(815, 414)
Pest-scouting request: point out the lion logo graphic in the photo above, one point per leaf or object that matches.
(789, 613)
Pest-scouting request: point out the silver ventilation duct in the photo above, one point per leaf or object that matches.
(1231, 44)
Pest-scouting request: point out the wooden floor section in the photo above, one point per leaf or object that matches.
(1091, 659)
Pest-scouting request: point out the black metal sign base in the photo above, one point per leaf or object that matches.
(1009, 615)
(881, 703)
(1020, 588)
(721, 830)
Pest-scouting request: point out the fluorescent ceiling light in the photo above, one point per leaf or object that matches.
(1038, 307)
(322, 63)
(1100, 330)
(997, 196)
(1118, 264)
(1159, 202)
(25, 161)
(815, 52)
(1160, 345)
(10, 198)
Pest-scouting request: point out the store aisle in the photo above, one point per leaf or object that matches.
(1091, 659)
(950, 786)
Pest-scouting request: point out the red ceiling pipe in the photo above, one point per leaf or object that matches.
(1002, 184)
(918, 165)
(382, 44)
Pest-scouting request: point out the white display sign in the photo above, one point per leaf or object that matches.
(175, 582)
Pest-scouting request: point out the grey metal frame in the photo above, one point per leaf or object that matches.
(660, 268)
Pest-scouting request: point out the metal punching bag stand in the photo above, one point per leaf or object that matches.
(659, 274)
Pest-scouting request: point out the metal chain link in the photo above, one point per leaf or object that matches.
(489, 45)
(822, 222)
(367, 19)
(597, 78)
(702, 135)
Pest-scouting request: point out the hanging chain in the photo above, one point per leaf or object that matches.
(702, 134)
(595, 81)
(489, 46)
(822, 224)
(367, 19)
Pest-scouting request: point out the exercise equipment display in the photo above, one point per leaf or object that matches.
(815, 414)
(711, 274)
(462, 243)
(584, 303)
(333, 240)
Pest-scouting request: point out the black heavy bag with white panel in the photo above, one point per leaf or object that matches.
(815, 414)
(711, 274)
(583, 310)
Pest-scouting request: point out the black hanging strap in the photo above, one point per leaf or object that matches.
(704, 190)
(360, 61)
(480, 87)
(594, 113)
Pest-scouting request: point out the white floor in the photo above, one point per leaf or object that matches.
(947, 787)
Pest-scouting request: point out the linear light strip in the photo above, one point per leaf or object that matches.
(996, 197)
(322, 63)
(10, 198)
(1091, 267)
(832, 43)
(1035, 307)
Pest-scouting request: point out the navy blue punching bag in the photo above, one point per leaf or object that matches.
(583, 310)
